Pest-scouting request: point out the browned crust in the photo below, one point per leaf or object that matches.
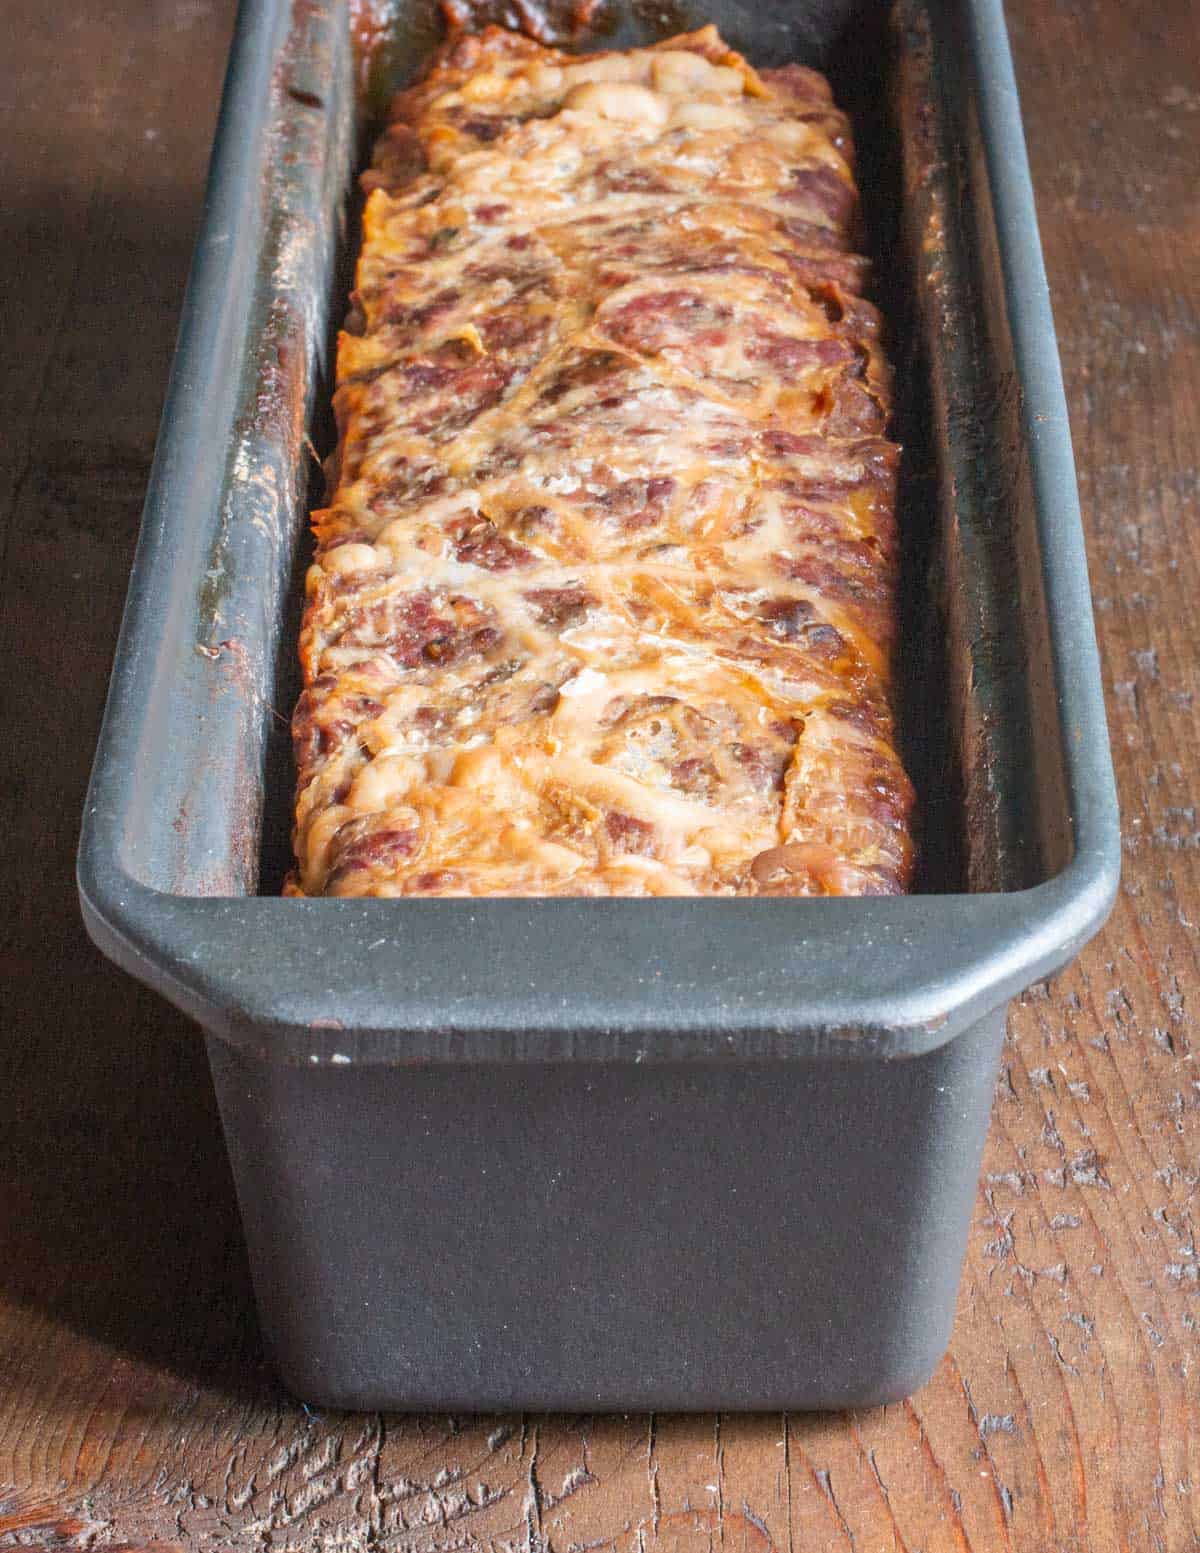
(605, 592)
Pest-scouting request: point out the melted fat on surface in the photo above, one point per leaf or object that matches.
(604, 598)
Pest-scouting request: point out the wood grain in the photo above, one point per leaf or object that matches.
(135, 1406)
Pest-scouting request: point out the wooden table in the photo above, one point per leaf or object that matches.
(135, 1405)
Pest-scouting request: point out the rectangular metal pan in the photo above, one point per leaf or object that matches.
(605, 1153)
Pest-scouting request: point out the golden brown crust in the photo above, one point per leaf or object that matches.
(605, 594)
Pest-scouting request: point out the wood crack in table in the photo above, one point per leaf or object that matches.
(135, 1404)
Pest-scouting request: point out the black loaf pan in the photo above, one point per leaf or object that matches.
(610, 1154)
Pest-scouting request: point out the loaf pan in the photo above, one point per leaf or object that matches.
(610, 1154)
